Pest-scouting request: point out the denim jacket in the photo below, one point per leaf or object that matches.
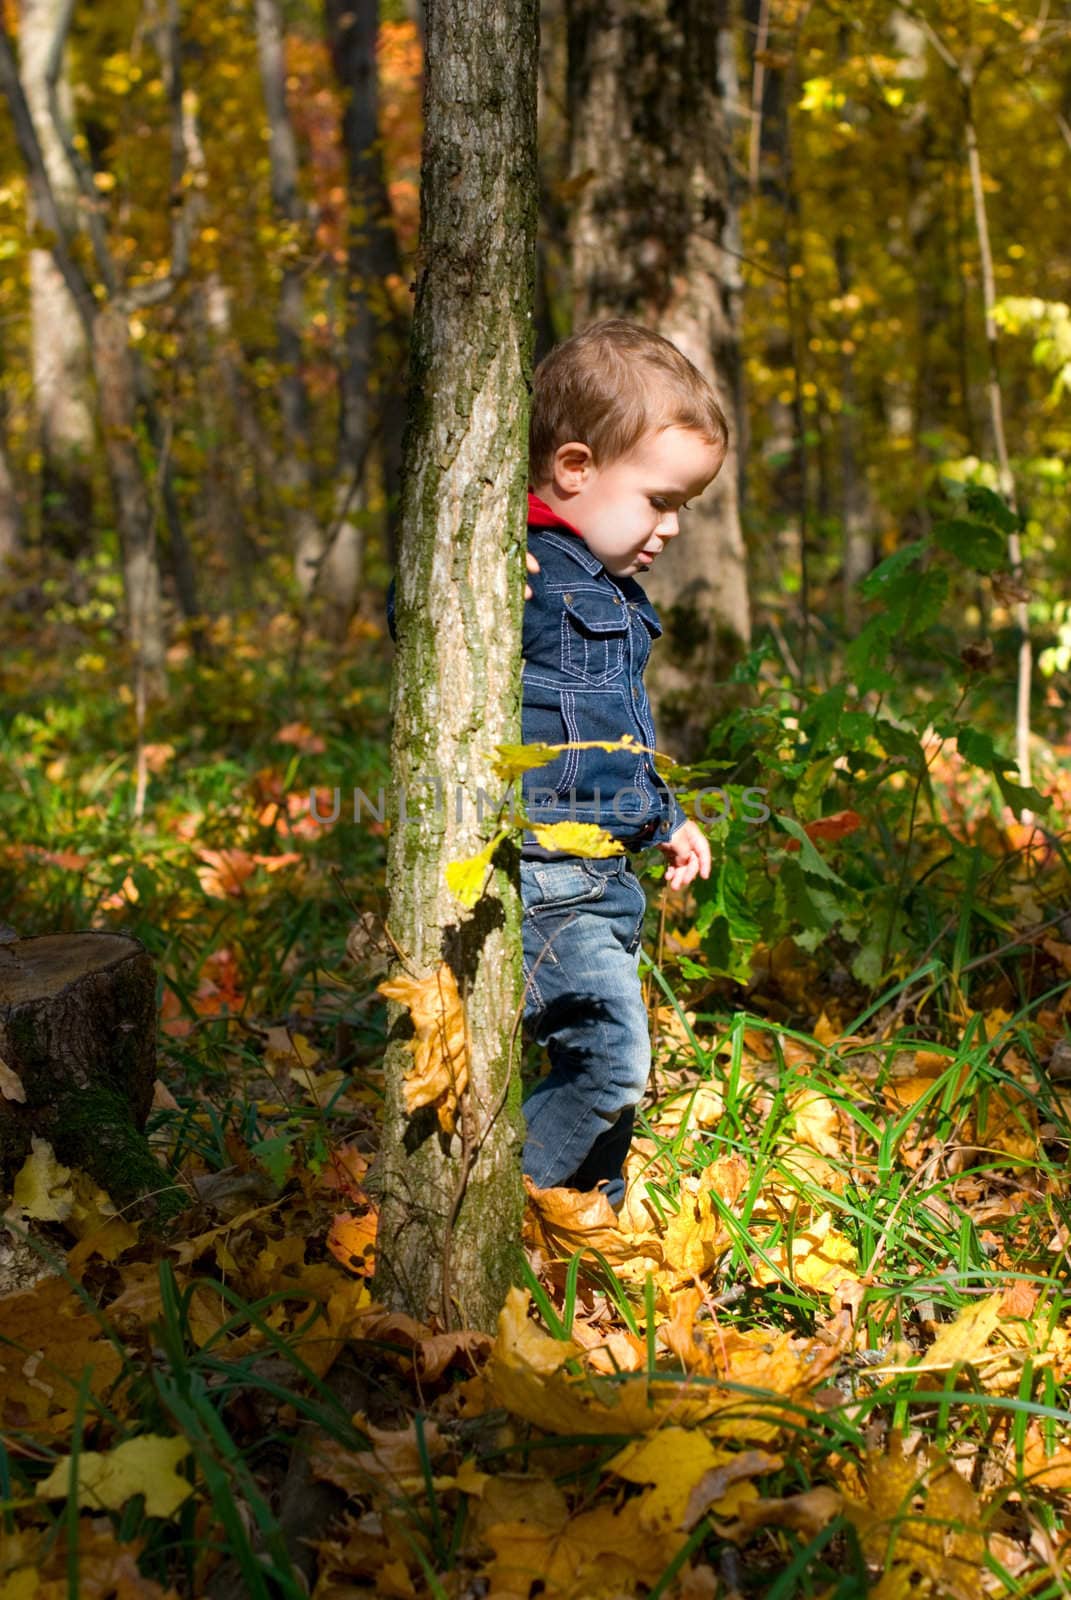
(587, 638)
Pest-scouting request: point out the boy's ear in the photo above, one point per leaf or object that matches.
(571, 466)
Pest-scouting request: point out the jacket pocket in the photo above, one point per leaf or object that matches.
(594, 631)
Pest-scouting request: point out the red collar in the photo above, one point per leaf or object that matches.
(540, 515)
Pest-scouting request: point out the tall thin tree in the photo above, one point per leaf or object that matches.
(61, 359)
(654, 237)
(451, 1203)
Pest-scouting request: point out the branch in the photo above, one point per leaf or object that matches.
(40, 186)
(82, 173)
(151, 294)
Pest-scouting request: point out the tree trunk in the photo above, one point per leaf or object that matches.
(77, 1041)
(374, 340)
(451, 1205)
(294, 467)
(117, 391)
(61, 363)
(107, 329)
(10, 509)
(650, 231)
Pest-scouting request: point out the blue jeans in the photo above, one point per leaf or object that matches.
(583, 920)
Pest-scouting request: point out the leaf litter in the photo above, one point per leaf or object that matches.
(828, 1329)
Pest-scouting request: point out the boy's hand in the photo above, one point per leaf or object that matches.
(533, 566)
(687, 853)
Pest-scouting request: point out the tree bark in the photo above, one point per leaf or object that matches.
(294, 467)
(653, 233)
(451, 1206)
(77, 1040)
(61, 359)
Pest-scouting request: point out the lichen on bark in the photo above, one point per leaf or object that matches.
(457, 681)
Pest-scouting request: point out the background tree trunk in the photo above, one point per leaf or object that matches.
(371, 374)
(61, 360)
(294, 467)
(652, 221)
(10, 510)
(456, 684)
(107, 330)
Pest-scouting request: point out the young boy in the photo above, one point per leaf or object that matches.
(624, 431)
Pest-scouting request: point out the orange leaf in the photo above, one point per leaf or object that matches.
(301, 736)
(838, 826)
(352, 1241)
(440, 1072)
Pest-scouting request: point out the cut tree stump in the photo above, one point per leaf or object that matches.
(78, 1060)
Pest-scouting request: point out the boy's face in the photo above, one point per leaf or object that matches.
(627, 510)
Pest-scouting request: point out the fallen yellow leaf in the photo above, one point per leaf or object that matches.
(107, 1480)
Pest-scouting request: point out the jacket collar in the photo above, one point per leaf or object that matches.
(540, 515)
(560, 533)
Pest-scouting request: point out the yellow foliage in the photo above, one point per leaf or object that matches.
(579, 838)
(466, 878)
(106, 1481)
(918, 1515)
(43, 1189)
(820, 1258)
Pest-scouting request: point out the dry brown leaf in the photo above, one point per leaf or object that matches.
(107, 1569)
(440, 1072)
(48, 1338)
(563, 1221)
(394, 1459)
(807, 1513)
(1042, 1469)
(440, 1351)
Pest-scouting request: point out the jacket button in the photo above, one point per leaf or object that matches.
(635, 692)
(617, 602)
(568, 599)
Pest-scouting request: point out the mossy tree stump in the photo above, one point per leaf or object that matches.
(78, 1040)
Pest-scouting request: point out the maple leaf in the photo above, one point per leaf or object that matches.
(43, 1189)
(440, 1072)
(352, 1240)
(919, 1515)
(820, 1258)
(107, 1480)
(563, 1221)
(48, 1338)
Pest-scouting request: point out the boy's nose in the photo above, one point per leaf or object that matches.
(668, 527)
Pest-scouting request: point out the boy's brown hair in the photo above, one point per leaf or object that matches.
(609, 385)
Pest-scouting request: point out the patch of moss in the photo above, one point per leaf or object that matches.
(94, 1130)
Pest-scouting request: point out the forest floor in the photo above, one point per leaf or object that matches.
(825, 1350)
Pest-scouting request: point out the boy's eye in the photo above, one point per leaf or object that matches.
(658, 503)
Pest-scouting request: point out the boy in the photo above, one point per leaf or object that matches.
(624, 432)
